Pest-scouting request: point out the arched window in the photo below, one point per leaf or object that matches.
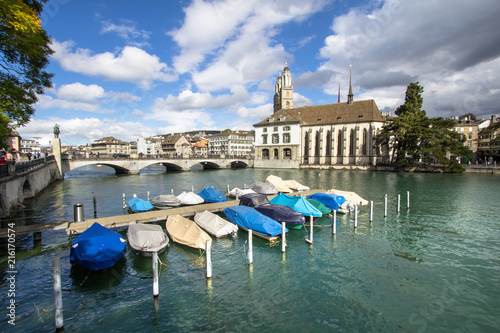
(265, 153)
(365, 141)
(287, 153)
(306, 144)
(352, 143)
(276, 153)
(340, 151)
(317, 147)
(328, 143)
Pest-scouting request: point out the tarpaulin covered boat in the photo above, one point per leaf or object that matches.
(279, 213)
(190, 198)
(165, 201)
(214, 224)
(145, 239)
(249, 218)
(278, 183)
(139, 205)
(297, 203)
(211, 194)
(263, 188)
(97, 248)
(353, 197)
(330, 200)
(187, 232)
(318, 205)
(296, 186)
(237, 192)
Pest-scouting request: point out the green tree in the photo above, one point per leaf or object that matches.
(24, 53)
(419, 141)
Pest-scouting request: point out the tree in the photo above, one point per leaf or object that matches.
(24, 53)
(418, 141)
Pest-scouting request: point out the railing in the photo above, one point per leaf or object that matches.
(12, 168)
(154, 157)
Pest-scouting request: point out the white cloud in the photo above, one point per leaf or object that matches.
(47, 102)
(80, 92)
(130, 65)
(128, 31)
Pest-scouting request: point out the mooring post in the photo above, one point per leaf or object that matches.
(172, 191)
(385, 206)
(334, 218)
(156, 289)
(208, 253)
(310, 240)
(192, 188)
(58, 306)
(147, 195)
(283, 237)
(355, 216)
(227, 189)
(399, 203)
(124, 201)
(95, 208)
(371, 211)
(250, 249)
(407, 199)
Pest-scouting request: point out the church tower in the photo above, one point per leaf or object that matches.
(283, 96)
(350, 96)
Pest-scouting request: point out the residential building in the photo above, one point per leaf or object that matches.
(149, 147)
(176, 146)
(488, 150)
(468, 127)
(108, 146)
(234, 143)
(199, 147)
(31, 146)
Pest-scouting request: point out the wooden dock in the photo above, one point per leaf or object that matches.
(73, 228)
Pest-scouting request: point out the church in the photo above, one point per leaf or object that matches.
(319, 136)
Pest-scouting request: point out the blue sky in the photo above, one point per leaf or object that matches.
(132, 69)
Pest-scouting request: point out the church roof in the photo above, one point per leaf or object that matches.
(338, 113)
(279, 117)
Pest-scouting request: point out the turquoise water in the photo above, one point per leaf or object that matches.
(432, 268)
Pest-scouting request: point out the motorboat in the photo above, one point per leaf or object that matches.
(318, 205)
(138, 205)
(280, 185)
(263, 188)
(214, 224)
(332, 201)
(279, 213)
(237, 192)
(190, 198)
(165, 201)
(184, 231)
(146, 239)
(97, 248)
(211, 194)
(249, 218)
(297, 203)
(295, 185)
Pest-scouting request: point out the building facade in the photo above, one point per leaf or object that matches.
(108, 146)
(234, 143)
(31, 146)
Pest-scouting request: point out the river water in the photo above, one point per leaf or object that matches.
(432, 268)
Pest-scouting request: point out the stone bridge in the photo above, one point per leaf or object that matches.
(134, 166)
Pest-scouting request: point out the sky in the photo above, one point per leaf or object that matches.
(132, 69)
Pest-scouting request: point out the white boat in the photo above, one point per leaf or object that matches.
(186, 232)
(214, 224)
(165, 201)
(278, 183)
(145, 239)
(237, 192)
(190, 198)
(353, 197)
(263, 188)
(296, 186)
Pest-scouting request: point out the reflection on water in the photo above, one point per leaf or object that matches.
(433, 267)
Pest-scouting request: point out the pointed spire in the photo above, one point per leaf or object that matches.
(350, 96)
(339, 93)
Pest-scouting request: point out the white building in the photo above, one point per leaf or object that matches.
(149, 147)
(236, 143)
(31, 146)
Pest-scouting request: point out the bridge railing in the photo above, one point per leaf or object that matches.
(13, 168)
(155, 157)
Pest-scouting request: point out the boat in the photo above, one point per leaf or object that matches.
(279, 213)
(237, 192)
(263, 188)
(97, 248)
(295, 185)
(137, 205)
(184, 231)
(248, 218)
(353, 197)
(330, 200)
(214, 224)
(165, 201)
(297, 203)
(211, 194)
(146, 239)
(322, 208)
(278, 183)
(190, 198)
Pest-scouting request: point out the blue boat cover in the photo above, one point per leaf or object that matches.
(97, 248)
(138, 205)
(330, 200)
(211, 194)
(298, 203)
(249, 218)
(279, 213)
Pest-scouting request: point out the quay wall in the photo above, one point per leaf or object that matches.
(276, 164)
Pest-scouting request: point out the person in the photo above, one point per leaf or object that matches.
(2, 159)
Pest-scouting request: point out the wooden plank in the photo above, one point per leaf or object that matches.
(26, 229)
(269, 238)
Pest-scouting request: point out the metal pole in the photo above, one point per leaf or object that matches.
(250, 250)
(399, 203)
(95, 208)
(148, 195)
(371, 211)
(124, 201)
(310, 240)
(355, 216)
(407, 199)
(156, 289)
(334, 217)
(208, 253)
(283, 237)
(56, 275)
(385, 206)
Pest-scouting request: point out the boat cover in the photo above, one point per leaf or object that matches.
(279, 213)
(190, 198)
(296, 186)
(298, 203)
(147, 237)
(237, 192)
(250, 219)
(322, 208)
(330, 200)
(186, 232)
(214, 224)
(211, 194)
(138, 205)
(165, 201)
(353, 197)
(278, 183)
(97, 248)
(263, 188)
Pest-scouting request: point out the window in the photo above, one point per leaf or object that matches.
(286, 138)
(275, 128)
(287, 153)
(265, 153)
(265, 130)
(286, 128)
(264, 139)
(276, 138)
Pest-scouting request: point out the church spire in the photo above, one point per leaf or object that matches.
(339, 93)
(350, 96)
